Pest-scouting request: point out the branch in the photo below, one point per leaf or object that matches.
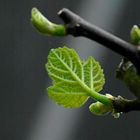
(77, 26)
(121, 104)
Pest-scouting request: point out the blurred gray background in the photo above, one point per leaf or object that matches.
(26, 113)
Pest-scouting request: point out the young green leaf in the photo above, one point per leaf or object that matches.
(73, 79)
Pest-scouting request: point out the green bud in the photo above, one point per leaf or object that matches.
(44, 26)
(99, 109)
(135, 35)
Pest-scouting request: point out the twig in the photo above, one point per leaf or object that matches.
(121, 104)
(77, 26)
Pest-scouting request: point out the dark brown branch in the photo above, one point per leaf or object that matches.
(77, 26)
(121, 104)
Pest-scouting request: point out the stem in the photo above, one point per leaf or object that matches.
(77, 26)
(101, 98)
(121, 104)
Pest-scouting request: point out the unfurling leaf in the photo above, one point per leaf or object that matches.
(74, 80)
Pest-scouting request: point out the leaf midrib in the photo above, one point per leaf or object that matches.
(88, 90)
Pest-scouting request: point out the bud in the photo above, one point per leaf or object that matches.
(44, 26)
(135, 35)
(99, 109)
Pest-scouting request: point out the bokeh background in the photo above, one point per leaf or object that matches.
(26, 112)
